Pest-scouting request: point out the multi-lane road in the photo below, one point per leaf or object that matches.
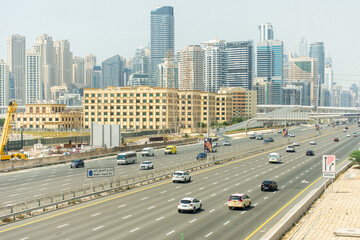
(150, 212)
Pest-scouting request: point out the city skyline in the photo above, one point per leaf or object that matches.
(193, 25)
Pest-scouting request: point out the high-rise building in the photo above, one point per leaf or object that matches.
(239, 64)
(78, 70)
(98, 79)
(45, 46)
(317, 50)
(4, 85)
(33, 77)
(270, 65)
(141, 61)
(16, 63)
(263, 88)
(168, 73)
(64, 58)
(304, 69)
(303, 48)
(89, 64)
(113, 72)
(162, 38)
(215, 66)
(266, 32)
(329, 78)
(191, 68)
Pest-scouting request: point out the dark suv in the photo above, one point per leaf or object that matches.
(77, 163)
(269, 185)
(201, 156)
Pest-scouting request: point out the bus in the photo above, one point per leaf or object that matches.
(126, 158)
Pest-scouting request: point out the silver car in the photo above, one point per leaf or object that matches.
(181, 176)
(189, 204)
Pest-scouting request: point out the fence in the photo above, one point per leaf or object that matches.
(13, 210)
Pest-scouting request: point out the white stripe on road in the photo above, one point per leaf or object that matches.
(151, 207)
(24, 238)
(97, 228)
(192, 220)
(160, 218)
(134, 229)
(122, 206)
(170, 232)
(64, 225)
(13, 195)
(127, 216)
(208, 234)
(95, 214)
(163, 191)
(171, 199)
(226, 222)
(212, 210)
(144, 198)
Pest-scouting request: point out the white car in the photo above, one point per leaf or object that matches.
(291, 135)
(181, 176)
(290, 148)
(189, 204)
(296, 143)
(348, 135)
(312, 142)
(344, 130)
(146, 165)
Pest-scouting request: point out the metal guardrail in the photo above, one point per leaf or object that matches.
(15, 210)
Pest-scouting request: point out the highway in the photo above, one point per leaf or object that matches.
(150, 212)
(16, 186)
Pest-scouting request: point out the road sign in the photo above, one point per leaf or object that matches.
(328, 166)
(100, 172)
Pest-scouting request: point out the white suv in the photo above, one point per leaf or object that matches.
(146, 165)
(189, 204)
(181, 176)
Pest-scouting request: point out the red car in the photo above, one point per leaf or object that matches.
(336, 139)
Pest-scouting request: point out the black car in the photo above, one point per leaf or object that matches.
(271, 139)
(269, 185)
(201, 156)
(310, 153)
(77, 163)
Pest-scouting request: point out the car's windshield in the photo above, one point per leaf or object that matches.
(273, 156)
(121, 157)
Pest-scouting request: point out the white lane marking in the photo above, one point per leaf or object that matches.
(42, 189)
(144, 198)
(170, 232)
(64, 189)
(171, 199)
(66, 184)
(265, 197)
(255, 204)
(290, 182)
(226, 222)
(213, 194)
(226, 170)
(122, 206)
(163, 191)
(134, 229)
(208, 234)
(283, 186)
(225, 189)
(192, 220)
(188, 193)
(236, 175)
(24, 184)
(64, 225)
(95, 214)
(20, 189)
(250, 190)
(237, 184)
(151, 207)
(178, 187)
(45, 184)
(226, 179)
(214, 183)
(212, 210)
(248, 179)
(244, 171)
(243, 212)
(216, 173)
(5, 184)
(201, 188)
(256, 175)
(160, 218)
(127, 216)
(13, 195)
(94, 229)
(206, 177)
(24, 238)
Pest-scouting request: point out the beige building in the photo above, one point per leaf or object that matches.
(150, 108)
(48, 116)
(244, 102)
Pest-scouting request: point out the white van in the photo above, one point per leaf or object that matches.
(126, 158)
(149, 151)
(274, 158)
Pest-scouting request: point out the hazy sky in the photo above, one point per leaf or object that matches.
(109, 27)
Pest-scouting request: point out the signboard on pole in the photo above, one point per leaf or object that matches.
(100, 172)
(328, 166)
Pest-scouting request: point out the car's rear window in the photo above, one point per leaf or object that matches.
(185, 201)
(266, 182)
(235, 197)
(177, 174)
(146, 163)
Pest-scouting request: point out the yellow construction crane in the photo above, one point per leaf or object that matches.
(5, 133)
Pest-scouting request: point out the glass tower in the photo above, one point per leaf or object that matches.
(113, 72)
(317, 51)
(162, 38)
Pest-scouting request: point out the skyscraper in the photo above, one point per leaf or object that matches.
(113, 72)
(78, 70)
(64, 58)
(317, 51)
(191, 68)
(33, 76)
(89, 64)
(98, 80)
(141, 62)
(239, 64)
(266, 32)
(215, 66)
(162, 38)
(329, 78)
(270, 66)
(16, 61)
(45, 46)
(303, 48)
(168, 72)
(4, 85)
